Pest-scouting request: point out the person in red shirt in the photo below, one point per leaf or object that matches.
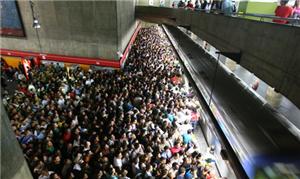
(190, 5)
(283, 11)
(67, 136)
(177, 148)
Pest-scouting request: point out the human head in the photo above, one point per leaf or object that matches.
(54, 176)
(124, 173)
(297, 4)
(149, 167)
(175, 166)
(283, 2)
(181, 170)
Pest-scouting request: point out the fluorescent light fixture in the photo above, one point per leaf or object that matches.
(36, 24)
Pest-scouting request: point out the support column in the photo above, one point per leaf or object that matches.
(13, 164)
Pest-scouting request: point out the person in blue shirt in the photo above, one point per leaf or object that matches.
(27, 138)
(171, 117)
(187, 137)
(181, 173)
(188, 175)
(166, 153)
(192, 173)
(227, 7)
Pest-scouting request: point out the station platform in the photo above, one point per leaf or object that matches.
(188, 117)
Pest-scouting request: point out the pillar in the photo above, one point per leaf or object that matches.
(13, 163)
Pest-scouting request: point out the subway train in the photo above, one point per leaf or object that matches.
(258, 141)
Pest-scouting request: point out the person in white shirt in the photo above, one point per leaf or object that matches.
(184, 128)
(166, 153)
(74, 122)
(64, 88)
(89, 82)
(118, 160)
(137, 150)
(149, 169)
(61, 102)
(21, 76)
(177, 158)
(181, 116)
(32, 89)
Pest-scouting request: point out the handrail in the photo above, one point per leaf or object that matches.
(292, 21)
(268, 16)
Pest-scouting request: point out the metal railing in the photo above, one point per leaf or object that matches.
(259, 17)
(263, 17)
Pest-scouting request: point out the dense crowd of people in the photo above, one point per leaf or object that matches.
(137, 122)
(222, 6)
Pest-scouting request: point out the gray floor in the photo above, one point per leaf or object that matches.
(203, 146)
(200, 140)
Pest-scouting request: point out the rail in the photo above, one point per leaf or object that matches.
(261, 17)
